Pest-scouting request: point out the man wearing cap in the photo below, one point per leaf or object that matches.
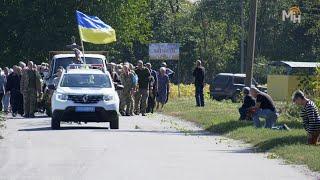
(264, 108)
(142, 94)
(310, 116)
(248, 103)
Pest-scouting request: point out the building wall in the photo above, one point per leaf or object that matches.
(281, 87)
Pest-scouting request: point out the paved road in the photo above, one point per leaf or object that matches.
(144, 148)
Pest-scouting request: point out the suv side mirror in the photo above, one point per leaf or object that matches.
(51, 87)
(119, 87)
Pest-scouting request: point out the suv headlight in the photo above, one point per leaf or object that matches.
(107, 97)
(62, 97)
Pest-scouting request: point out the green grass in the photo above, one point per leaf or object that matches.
(222, 118)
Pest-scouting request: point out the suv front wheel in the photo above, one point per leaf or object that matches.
(55, 121)
(114, 123)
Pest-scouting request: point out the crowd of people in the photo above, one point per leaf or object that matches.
(20, 88)
(145, 90)
(257, 104)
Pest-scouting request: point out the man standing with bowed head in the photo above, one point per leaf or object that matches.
(30, 85)
(199, 76)
(310, 117)
(142, 94)
(264, 108)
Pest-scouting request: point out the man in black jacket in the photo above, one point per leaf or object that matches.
(13, 87)
(153, 89)
(141, 95)
(199, 75)
(265, 108)
(248, 102)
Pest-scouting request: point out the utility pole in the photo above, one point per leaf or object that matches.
(251, 41)
(242, 37)
(175, 7)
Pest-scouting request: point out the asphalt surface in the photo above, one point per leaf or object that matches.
(154, 147)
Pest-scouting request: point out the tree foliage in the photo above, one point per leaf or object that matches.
(208, 30)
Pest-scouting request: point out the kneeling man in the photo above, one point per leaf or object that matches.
(310, 116)
(264, 108)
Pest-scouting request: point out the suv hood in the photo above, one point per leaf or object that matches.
(89, 91)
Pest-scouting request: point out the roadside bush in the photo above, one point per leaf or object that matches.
(311, 85)
(289, 109)
(186, 90)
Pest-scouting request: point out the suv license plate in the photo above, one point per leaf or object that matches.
(85, 109)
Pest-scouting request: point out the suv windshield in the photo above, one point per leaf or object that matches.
(86, 80)
(238, 80)
(65, 62)
(221, 80)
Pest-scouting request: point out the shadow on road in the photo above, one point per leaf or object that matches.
(38, 117)
(229, 126)
(62, 128)
(281, 141)
(172, 132)
(237, 151)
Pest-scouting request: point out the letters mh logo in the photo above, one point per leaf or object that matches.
(294, 14)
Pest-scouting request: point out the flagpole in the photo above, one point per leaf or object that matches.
(84, 58)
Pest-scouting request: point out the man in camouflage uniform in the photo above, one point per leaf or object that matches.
(126, 95)
(30, 86)
(141, 96)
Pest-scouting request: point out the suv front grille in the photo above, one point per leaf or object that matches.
(85, 99)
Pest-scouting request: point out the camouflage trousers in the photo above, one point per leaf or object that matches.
(30, 102)
(126, 104)
(141, 98)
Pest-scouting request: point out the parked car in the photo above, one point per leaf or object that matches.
(229, 86)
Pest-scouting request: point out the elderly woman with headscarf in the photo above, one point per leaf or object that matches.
(163, 88)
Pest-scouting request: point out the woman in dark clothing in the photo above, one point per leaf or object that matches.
(163, 86)
(248, 102)
(13, 86)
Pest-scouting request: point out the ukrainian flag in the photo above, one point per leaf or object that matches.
(93, 30)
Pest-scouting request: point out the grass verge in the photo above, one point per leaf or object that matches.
(222, 118)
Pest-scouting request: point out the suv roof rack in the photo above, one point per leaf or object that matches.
(86, 66)
(52, 53)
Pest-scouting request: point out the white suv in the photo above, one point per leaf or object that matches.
(85, 95)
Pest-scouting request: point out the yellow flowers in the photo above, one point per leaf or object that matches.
(186, 91)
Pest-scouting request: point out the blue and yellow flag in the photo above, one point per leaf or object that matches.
(93, 30)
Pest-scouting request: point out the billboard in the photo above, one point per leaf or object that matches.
(164, 51)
